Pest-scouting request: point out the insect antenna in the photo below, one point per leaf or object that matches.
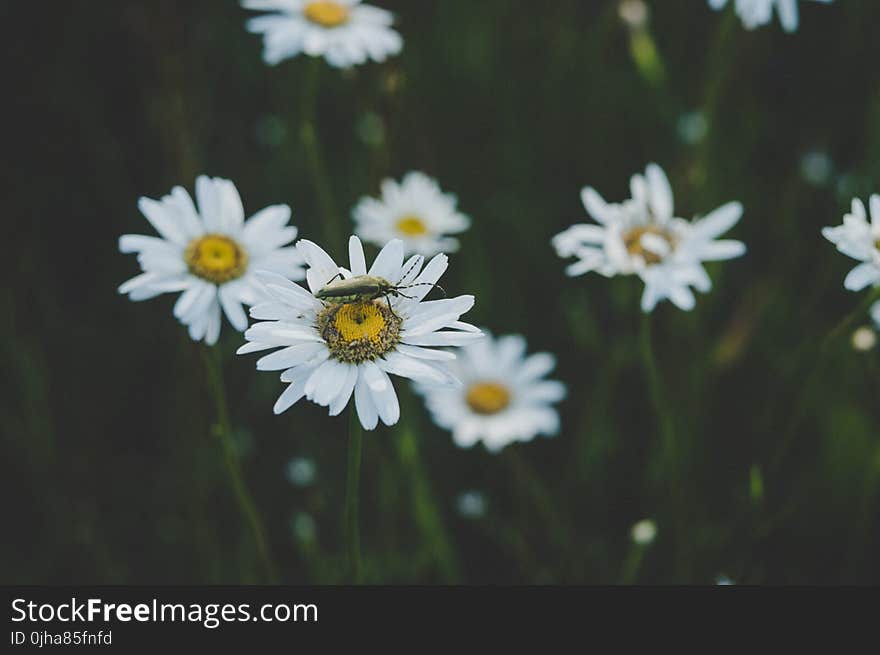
(416, 260)
(424, 284)
(333, 279)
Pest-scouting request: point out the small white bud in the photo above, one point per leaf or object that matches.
(816, 168)
(634, 13)
(472, 504)
(692, 127)
(301, 471)
(864, 338)
(303, 527)
(644, 532)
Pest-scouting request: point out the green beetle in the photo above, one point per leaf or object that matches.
(360, 288)
(357, 288)
(364, 287)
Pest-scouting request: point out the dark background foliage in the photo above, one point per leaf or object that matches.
(111, 472)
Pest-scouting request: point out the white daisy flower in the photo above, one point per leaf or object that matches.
(859, 239)
(875, 314)
(344, 345)
(415, 211)
(757, 13)
(209, 254)
(344, 32)
(643, 236)
(504, 397)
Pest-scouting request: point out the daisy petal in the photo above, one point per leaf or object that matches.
(389, 260)
(344, 393)
(436, 314)
(322, 268)
(721, 250)
(425, 353)
(385, 399)
(159, 217)
(289, 357)
(861, 276)
(442, 338)
(374, 376)
(417, 370)
(660, 192)
(356, 258)
(294, 392)
(232, 307)
(363, 401)
(718, 221)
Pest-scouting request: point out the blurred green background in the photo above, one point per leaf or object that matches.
(111, 472)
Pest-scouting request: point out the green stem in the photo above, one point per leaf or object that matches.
(815, 375)
(719, 63)
(646, 57)
(669, 452)
(658, 397)
(529, 482)
(847, 322)
(315, 157)
(427, 515)
(355, 446)
(630, 571)
(223, 431)
(866, 514)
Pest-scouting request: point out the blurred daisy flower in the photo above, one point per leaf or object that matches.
(859, 239)
(757, 13)
(209, 254)
(415, 211)
(472, 504)
(345, 32)
(642, 236)
(333, 348)
(504, 397)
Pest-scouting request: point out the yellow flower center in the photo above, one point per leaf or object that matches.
(412, 226)
(215, 258)
(359, 331)
(326, 13)
(487, 397)
(360, 320)
(632, 239)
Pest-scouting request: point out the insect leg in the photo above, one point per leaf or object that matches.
(390, 308)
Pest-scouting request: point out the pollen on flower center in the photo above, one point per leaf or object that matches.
(216, 258)
(487, 397)
(412, 226)
(326, 13)
(359, 331)
(632, 239)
